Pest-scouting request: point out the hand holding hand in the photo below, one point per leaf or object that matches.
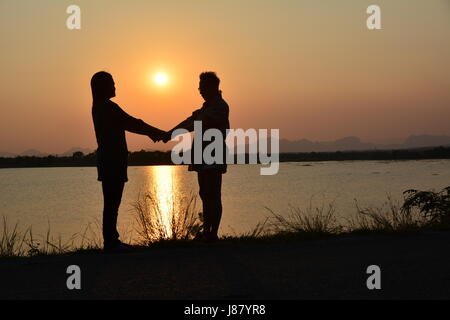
(167, 136)
(157, 136)
(154, 139)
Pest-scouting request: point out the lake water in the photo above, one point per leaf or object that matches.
(70, 198)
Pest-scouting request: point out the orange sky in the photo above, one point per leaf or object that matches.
(308, 68)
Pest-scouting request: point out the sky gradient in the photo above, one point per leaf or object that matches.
(309, 68)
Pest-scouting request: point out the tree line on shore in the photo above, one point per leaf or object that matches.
(144, 158)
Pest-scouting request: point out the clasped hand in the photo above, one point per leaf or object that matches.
(163, 136)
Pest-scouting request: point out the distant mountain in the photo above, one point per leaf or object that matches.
(352, 144)
(7, 155)
(37, 153)
(71, 151)
(347, 143)
(302, 145)
(355, 144)
(33, 153)
(426, 141)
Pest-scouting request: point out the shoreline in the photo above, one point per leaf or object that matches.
(157, 158)
(237, 164)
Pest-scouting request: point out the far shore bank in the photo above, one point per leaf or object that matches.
(155, 158)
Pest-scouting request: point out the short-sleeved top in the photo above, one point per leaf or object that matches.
(215, 115)
(110, 123)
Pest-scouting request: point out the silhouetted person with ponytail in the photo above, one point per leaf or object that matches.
(110, 123)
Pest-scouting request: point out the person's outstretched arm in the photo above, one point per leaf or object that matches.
(138, 126)
(187, 124)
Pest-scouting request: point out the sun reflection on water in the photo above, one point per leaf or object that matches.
(161, 184)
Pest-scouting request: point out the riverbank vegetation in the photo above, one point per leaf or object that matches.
(421, 211)
(147, 158)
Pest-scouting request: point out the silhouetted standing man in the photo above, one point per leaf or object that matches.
(214, 114)
(110, 123)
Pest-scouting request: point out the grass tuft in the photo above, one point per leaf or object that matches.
(181, 221)
(314, 221)
(388, 218)
(14, 243)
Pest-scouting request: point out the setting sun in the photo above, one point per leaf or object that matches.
(161, 78)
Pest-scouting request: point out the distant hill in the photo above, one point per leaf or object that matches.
(7, 155)
(71, 151)
(355, 144)
(426, 141)
(37, 153)
(303, 145)
(33, 153)
(347, 143)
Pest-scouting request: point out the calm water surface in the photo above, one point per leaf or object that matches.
(70, 198)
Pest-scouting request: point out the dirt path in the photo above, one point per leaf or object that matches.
(411, 267)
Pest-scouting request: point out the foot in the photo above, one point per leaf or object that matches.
(118, 248)
(212, 238)
(126, 245)
(199, 236)
(208, 238)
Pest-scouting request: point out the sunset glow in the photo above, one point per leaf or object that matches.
(161, 79)
(285, 65)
